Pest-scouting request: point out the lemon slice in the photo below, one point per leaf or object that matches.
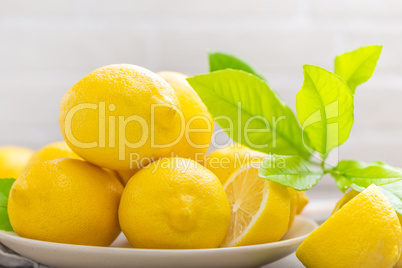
(260, 208)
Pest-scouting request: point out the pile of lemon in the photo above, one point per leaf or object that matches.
(134, 159)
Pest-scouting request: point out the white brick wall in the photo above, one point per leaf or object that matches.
(46, 46)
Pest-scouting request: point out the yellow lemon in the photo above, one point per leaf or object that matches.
(302, 201)
(346, 198)
(293, 205)
(57, 150)
(120, 117)
(399, 263)
(66, 201)
(224, 161)
(174, 203)
(365, 232)
(298, 200)
(198, 122)
(260, 209)
(349, 196)
(13, 161)
(51, 151)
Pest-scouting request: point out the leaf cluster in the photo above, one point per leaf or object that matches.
(252, 113)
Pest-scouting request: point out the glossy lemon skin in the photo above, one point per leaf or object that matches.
(52, 151)
(66, 201)
(199, 124)
(120, 117)
(13, 161)
(349, 196)
(365, 232)
(299, 200)
(174, 203)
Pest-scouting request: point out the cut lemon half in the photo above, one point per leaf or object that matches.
(260, 208)
(365, 232)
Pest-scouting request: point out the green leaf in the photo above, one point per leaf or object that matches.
(290, 171)
(221, 61)
(358, 188)
(363, 174)
(392, 191)
(341, 182)
(5, 186)
(356, 67)
(250, 112)
(324, 107)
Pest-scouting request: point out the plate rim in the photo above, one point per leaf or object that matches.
(14, 236)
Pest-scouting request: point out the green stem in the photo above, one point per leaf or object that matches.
(324, 169)
(314, 163)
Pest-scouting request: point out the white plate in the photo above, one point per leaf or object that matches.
(65, 255)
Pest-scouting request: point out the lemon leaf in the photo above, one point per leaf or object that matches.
(363, 174)
(393, 192)
(341, 182)
(250, 112)
(290, 171)
(324, 107)
(5, 186)
(221, 61)
(356, 67)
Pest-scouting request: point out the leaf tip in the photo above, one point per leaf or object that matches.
(211, 53)
(310, 67)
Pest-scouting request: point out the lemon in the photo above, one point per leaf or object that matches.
(349, 196)
(13, 161)
(346, 198)
(174, 203)
(365, 232)
(199, 123)
(302, 201)
(298, 200)
(293, 205)
(120, 117)
(50, 152)
(224, 161)
(57, 150)
(66, 201)
(399, 262)
(260, 209)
